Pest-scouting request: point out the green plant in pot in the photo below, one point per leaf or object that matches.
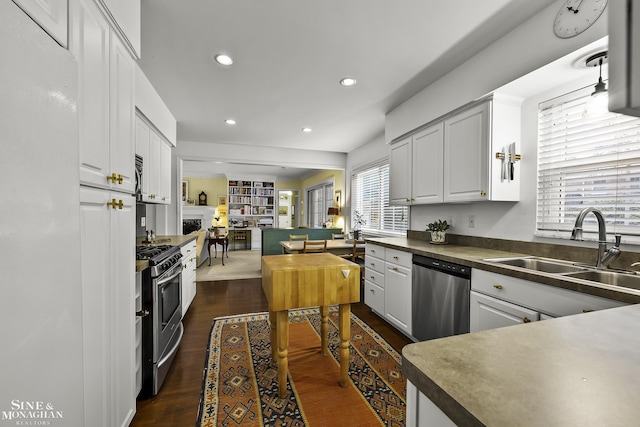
(358, 222)
(438, 230)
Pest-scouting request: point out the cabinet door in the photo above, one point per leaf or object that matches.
(108, 306)
(90, 43)
(155, 158)
(400, 172)
(466, 149)
(427, 163)
(165, 173)
(374, 297)
(51, 15)
(397, 296)
(122, 117)
(489, 313)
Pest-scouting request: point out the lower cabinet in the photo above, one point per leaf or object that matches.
(188, 274)
(422, 412)
(387, 285)
(107, 221)
(498, 300)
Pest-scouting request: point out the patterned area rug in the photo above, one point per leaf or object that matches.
(240, 381)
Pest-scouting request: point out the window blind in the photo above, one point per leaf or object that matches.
(370, 197)
(587, 161)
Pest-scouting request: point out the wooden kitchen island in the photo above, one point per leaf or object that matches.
(309, 280)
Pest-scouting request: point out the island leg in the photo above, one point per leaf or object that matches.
(283, 342)
(344, 329)
(324, 329)
(273, 324)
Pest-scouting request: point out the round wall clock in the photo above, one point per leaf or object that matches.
(575, 16)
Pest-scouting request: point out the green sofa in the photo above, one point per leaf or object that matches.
(272, 236)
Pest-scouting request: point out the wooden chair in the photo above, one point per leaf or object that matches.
(314, 246)
(339, 236)
(298, 237)
(357, 256)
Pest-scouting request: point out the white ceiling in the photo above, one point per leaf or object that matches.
(290, 54)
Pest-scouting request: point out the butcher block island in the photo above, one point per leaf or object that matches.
(309, 280)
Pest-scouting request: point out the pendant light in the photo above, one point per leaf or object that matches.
(598, 102)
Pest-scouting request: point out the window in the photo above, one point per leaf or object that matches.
(319, 199)
(586, 161)
(370, 197)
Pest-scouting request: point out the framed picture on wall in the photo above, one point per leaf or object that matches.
(222, 200)
(283, 210)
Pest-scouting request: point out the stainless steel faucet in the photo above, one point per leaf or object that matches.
(605, 257)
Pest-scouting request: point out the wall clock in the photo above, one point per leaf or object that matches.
(202, 199)
(575, 16)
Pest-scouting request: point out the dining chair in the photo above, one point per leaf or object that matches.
(357, 256)
(314, 246)
(337, 236)
(298, 237)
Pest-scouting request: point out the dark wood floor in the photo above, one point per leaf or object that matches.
(177, 402)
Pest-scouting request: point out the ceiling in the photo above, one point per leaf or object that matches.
(289, 56)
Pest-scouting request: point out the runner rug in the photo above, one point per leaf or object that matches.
(240, 387)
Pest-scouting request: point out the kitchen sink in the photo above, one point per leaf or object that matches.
(615, 278)
(545, 265)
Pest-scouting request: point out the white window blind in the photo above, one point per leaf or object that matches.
(319, 199)
(586, 161)
(370, 197)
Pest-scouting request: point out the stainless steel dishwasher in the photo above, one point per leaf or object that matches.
(440, 298)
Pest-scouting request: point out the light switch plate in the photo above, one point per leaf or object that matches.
(143, 221)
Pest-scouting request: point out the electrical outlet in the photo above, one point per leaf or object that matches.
(143, 221)
(472, 221)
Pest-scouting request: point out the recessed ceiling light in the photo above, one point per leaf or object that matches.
(230, 122)
(348, 81)
(307, 130)
(223, 59)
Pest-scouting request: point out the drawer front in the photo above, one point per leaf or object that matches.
(374, 276)
(374, 297)
(544, 298)
(402, 258)
(374, 250)
(374, 263)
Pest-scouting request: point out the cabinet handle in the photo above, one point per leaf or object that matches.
(525, 319)
(395, 268)
(586, 310)
(483, 194)
(142, 313)
(373, 278)
(395, 257)
(497, 286)
(113, 178)
(113, 204)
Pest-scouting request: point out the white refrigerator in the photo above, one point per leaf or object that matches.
(41, 373)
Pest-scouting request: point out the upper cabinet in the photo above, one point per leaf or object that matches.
(124, 17)
(416, 167)
(156, 162)
(105, 101)
(51, 15)
(469, 155)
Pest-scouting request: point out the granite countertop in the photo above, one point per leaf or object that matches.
(473, 257)
(574, 370)
(571, 371)
(173, 240)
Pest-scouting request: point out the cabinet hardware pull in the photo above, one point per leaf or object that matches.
(120, 179)
(113, 204)
(395, 257)
(142, 313)
(525, 319)
(373, 278)
(112, 178)
(586, 310)
(395, 268)
(483, 194)
(497, 286)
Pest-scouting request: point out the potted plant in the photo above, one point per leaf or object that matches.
(358, 222)
(438, 230)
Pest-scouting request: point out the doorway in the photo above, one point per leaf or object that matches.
(288, 208)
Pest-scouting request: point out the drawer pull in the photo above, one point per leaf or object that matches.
(395, 268)
(395, 257)
(497, 286)
(525, 319)
(586, 310)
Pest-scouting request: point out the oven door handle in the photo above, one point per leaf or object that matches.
(178, 271)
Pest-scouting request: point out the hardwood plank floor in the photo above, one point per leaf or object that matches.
(177, 402)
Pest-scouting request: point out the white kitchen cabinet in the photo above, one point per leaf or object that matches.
(422, 412)
(51, 15)
(107, 221)
(374, 278)
(125, 17)
(188, 275)
(156, 157)
(256, 238)
(416, 168)
(397, 289)
(489, 313)
(105, 101)
(472, 137)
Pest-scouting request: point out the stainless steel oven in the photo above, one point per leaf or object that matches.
(162, 328)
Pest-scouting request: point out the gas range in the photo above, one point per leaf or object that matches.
(161, 257)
